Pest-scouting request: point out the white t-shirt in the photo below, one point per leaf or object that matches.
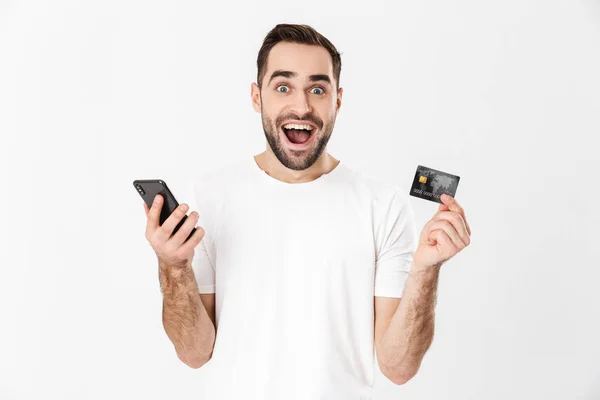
(294, 268)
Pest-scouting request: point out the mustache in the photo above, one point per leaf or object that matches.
(317, 121)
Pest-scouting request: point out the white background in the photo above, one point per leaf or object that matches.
(96, 94)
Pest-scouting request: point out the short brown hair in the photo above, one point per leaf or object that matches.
(296, 33)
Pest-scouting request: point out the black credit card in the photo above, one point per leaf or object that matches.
(430, 184)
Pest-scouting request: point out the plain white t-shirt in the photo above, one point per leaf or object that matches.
(294, 268)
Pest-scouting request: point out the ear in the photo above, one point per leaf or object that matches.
(255, 96)
(339, 98)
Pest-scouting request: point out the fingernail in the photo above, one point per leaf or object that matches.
(157, 199)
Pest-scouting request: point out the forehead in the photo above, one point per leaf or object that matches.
(301, 58)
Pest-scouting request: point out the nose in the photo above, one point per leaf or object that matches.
(300, 103)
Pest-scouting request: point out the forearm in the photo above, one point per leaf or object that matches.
(185, 318)
(411, 329)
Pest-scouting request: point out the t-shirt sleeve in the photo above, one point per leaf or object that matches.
(204, 259)
(396, 242)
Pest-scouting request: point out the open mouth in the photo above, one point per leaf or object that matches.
(298, 133)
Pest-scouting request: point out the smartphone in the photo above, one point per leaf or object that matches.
(149, 188)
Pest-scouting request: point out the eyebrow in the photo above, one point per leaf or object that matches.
(291, 74)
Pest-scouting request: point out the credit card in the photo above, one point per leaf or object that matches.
(430, 184)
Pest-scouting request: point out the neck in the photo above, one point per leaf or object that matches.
(274, 168)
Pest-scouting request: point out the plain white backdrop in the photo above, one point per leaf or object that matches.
(96, 94)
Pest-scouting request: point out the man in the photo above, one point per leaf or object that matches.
(301, 268)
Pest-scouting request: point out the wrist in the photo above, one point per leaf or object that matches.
(418, 267)
(174, 270)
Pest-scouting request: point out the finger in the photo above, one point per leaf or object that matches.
(165, 231)
(193, 241)
(466, 224)
(453, 205)
(426, 231)
(146, 209)
(457, 220)
(441, 237)
(184, 230)
(449, 229)
(154, 213)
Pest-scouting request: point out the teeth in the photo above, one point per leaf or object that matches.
(296, 126)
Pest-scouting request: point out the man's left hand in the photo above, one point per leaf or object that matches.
(446, 234)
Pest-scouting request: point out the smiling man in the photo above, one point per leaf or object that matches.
(294, 282)
(298, 97)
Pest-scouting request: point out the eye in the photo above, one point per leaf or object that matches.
(285, 86)
(321, 89)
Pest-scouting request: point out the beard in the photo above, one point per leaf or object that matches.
(296, 159)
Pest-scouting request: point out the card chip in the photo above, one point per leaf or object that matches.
(422, 179)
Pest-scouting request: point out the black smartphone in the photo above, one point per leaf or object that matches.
(149, 188)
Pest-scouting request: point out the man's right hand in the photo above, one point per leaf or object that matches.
(172, 250)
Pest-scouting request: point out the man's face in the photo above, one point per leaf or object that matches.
(298, 88)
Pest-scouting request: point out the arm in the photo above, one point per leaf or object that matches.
(189, 324)
(405, 335)
(404, 327)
